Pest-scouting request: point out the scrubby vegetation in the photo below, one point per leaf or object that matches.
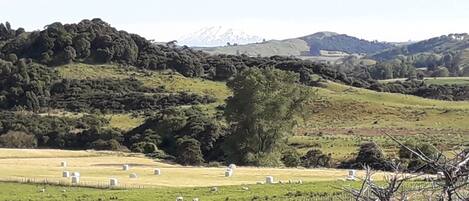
(343, 43)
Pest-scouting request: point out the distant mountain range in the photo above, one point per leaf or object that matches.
(311, 45)
(217, 36)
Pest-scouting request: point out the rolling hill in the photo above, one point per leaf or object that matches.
(438, 45)
(90, 86)
(310, 45)
(368, 112)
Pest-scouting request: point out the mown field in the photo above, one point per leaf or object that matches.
(98, 167)
(189, 182)
(35, 166)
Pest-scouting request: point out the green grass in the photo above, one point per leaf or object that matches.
(342, 117)
(12, 191)
(124, 121)
(436, 80)
(348, 107)
(291, 47)
(448, 80)
(170, 81)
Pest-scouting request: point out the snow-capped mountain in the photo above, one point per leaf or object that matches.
(217, 36)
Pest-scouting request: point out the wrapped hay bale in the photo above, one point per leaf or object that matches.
(113, 182)
(232, 166)
(228, 172)
(269, 180)
(133, 176)
(157, 171)
(351, 175)
(75, 180)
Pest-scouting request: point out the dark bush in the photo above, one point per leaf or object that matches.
(291, 158)
(18, 139)
(189, 152)
(315, 158)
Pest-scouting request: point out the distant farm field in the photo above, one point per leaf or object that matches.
(448, 80)
(437, 80)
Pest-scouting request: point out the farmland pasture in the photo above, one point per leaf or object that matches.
(436, 80)
(448, 80)
(31, 192)
(97, 167)
(337, 132)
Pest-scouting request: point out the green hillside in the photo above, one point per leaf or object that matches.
(437, 45)
(100, 88)
(290, 47)
(312, 45)
(344, 116)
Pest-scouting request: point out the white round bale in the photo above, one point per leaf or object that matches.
(269, 180)
(228, 173)
(66, 174)
(133, 175)
(157, 171)
(125, 167)
(75, 174)
(113, 182)
(179, 199)
(75, 180)
(232, 166)
(63, 164)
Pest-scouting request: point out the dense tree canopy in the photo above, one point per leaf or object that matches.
(262, 113)
(173, 129)
(25, 84)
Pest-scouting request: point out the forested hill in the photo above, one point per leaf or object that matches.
(29, 81)
(95, 41)
(310, 45)
(340, 42)
(452, 43)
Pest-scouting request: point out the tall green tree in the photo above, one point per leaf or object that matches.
(263, 112)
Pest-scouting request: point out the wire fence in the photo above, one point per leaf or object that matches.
(68, 183)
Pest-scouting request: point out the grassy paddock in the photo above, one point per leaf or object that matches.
(170, 81)
(436, 80)
(12, 191)
(448, 80)
(102, 166)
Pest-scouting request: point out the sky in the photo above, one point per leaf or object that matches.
(165, 20)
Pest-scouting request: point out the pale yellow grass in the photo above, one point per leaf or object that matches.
(45, 153)
(99, 168)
